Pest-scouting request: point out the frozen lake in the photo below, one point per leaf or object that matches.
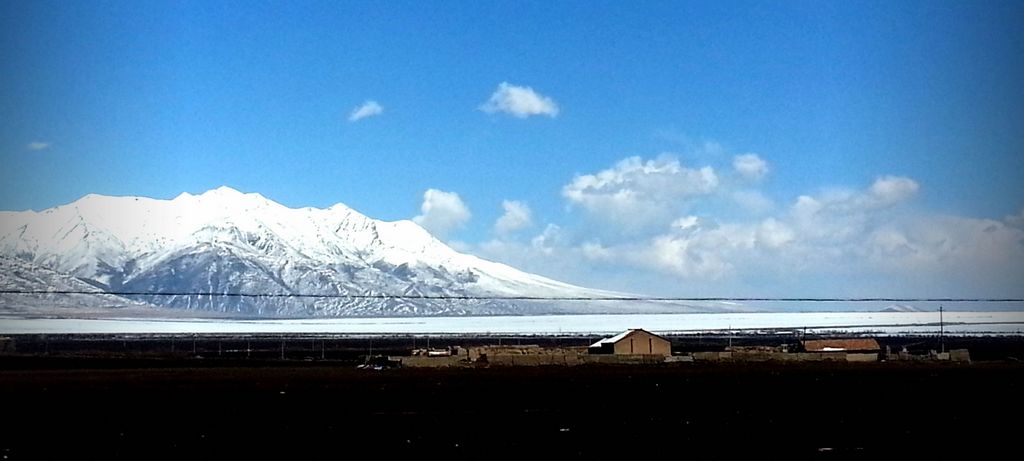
(885, 322)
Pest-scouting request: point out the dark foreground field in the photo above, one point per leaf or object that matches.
(305, 410)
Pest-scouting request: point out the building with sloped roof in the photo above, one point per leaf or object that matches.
(633, 342)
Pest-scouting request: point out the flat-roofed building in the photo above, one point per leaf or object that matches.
(842, 345)
(854, 350)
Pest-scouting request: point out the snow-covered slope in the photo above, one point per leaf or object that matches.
(223, 243)
(18, 275)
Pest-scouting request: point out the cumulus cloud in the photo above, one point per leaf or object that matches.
(550, 253)
(517, 216)
(883, 193)
(961, 248)
(367, 109)
(753, 201)
(888, 190)
(774, 234)
(834, 235)
(519, 101)
(636, 192)
(834, 241)
(684, 257)
(693, 249)
(550, 238)
(969, 256)
(37, 145)
(594, 251)
(750, 166)
(442, 212)
(838, 216)
(856, 232)
(913, 255)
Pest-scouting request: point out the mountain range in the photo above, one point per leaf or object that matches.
(226, 252)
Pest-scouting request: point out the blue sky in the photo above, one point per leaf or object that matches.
(895, 118)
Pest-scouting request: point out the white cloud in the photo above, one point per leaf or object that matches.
(549, 253)
(517, 216)
(855, 232)
(848, 204)
(774, 234)
(913, 255)
(636, 193)
(519, 101)
(888, 190)
(836, 241)
(37, 145)
(442, 212)
(686, 222)
(750, 166)
(695, 253)
(831, 238)
(955, 247)
(753, 201)
(693, 249)
(594, 251)
(367, 109)
(953, 254)
(547, 240)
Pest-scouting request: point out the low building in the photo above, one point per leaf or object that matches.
(859, 345)
(854, 350)
(633, 342)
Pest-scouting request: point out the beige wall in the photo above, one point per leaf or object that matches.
(959, 355)
(852, 357)
(641, 342)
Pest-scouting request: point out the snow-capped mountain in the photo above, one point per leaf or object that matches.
(223, 243)
(54, 294)
(18, 275)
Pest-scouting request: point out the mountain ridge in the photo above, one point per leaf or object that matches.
(224, 242)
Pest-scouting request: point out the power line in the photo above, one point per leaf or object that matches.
(502, 298)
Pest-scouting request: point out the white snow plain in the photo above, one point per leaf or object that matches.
(1002, 323)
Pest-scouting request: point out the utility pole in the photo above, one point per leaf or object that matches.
(942, 338)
